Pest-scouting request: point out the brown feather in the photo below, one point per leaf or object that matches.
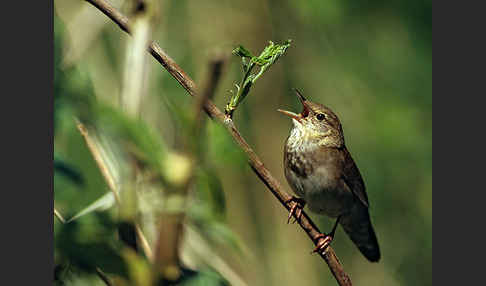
(352, 177)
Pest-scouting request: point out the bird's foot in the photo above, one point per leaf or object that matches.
(323, 241)
(297, 206)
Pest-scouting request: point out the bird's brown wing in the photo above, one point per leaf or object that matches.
(352, 177)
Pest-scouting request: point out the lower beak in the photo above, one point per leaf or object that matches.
(290, 114)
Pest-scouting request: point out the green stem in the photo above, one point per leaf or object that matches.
(243, 90)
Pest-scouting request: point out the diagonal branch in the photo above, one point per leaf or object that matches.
(256, 164)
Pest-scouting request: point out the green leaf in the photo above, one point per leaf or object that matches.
(101, 204)
(242, 52)
(268, 57)
(271, 53)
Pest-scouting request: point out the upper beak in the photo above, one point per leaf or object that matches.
(304, 112)
(301, 97)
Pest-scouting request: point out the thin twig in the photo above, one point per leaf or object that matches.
(256, 164)
(59, 216)
(144, 242)
(98, 159)
(103, 276)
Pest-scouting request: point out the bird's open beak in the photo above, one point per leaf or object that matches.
(304, 112)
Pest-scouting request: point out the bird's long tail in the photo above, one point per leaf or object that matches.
(357, 225)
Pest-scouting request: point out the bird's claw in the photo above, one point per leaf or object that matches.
(323, 241)
(296, 208)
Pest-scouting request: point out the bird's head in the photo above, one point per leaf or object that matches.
(317, 123)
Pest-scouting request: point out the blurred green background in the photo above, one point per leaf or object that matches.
(369, 61)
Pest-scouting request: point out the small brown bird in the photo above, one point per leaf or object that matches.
(321, 171)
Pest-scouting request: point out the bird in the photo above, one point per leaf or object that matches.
(324, 176)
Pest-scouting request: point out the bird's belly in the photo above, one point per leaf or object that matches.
(331, 201)
(322, 194)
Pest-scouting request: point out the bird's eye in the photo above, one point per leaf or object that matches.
(320, 116)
